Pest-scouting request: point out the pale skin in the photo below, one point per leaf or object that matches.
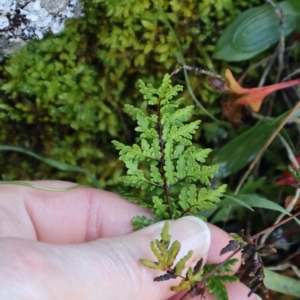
(79, 245)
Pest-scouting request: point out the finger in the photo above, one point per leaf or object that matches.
(75, 216)
(219, 239)
(108, 268)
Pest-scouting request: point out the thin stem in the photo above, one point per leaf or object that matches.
(254, 66)
(162, 161)
(256, 236)
(180, 58)
(288, 209)
(281, 45)
(285, 234)
(269, 141)
(220, 265)
(289, 151)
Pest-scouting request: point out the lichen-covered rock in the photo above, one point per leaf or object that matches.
(22, 20)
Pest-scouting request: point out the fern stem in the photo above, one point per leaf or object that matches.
(162, 160)
(186, 296)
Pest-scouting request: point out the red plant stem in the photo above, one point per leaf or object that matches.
(256, 236)
(220, 265)
(286, 234)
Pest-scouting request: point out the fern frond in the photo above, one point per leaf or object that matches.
(141, 222)
(164, 251)
(164, 162)
(215, 283)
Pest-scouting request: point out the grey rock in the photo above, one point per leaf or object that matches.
(23, 20)
(55, 6)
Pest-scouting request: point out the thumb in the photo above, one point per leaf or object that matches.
(110, 269)
(135, 281)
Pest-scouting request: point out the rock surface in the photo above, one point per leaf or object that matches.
(22, 20)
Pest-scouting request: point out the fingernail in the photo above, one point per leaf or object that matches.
(193, 234)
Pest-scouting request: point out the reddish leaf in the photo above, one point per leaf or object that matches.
(287, 178)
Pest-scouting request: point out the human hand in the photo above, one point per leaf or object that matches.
(79, 244)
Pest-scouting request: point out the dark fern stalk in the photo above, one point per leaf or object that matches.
(172, 173)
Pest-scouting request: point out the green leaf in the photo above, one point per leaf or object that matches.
(217, 288)
(252, 201)
(224, 49)
(262, 29)
(155, 175)
(243, 149)
(215, 282)
(253, 31)
(232, 200)
(257, 201)
(295, 4)
(165, 235)
(169, 169)
(222, 214)
(140, 222)
(163, 251)
(172, 252)
(148, 92)
(150, 264)
(182, 134)
(181, 264)
(282, 284)
(252, 185)
(53, 163)
(159, 207)
(184, 285)
(163, 162)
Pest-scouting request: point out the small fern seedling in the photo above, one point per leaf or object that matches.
(172, 174)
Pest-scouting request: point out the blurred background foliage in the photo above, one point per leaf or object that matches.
(62, 97)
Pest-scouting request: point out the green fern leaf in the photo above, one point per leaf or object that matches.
(169, 171)
(184, 285)
(148, 93)
(172, 252)
(150, 264)
(194, 278)
(163, 162)
(178, 116)
(178, 151)
(164, 251)
(216, 288)
(215, 282)
(159, 207)
(156, 175)
(141, 222)
(181, 167)
(181, 264)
